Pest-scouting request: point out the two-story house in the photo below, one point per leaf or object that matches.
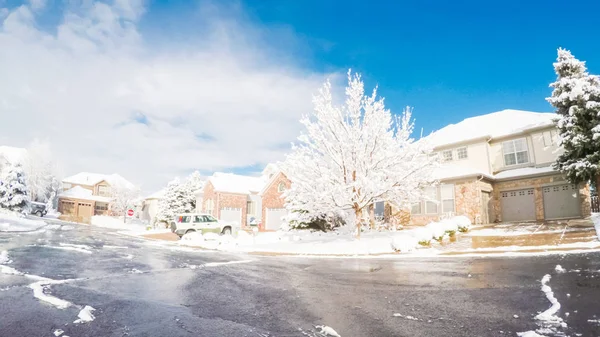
(86, 194)
(498, 168)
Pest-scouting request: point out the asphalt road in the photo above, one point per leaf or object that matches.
(142, 288)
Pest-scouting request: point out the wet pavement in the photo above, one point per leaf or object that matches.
(147, 288)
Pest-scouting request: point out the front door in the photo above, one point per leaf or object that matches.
(487, 209)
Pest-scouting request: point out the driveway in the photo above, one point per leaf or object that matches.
(144, 288)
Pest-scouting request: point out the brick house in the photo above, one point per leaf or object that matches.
(86, 194)
(498, 168)
(242, 199)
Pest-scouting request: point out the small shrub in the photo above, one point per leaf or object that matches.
(463, 229)
(451, 233)
(425, 243)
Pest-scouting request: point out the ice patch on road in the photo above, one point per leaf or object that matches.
(75, 246)
(529, 334)
(85, 315)
(325, 330)
(559, 269)
(74, 249)
(38, 292)
(550, 314)
(216, 264)
(58, 332)
(115, 247)
(408, 317)
(4, 257)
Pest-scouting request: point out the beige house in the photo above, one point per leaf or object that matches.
(87, 194)
(150, 206)
(498, 168)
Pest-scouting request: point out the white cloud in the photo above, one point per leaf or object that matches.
(227, 102)
(37, 4)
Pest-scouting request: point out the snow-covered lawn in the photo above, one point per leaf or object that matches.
(596, 220)
(129, 226)
(12, 222)
(339, 242)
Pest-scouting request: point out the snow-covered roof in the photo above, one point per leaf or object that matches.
(449, 171)
(156, 195)
(524, 172)
(13, 154)
(91, 179)
(79, 192)
(233, 183)
(492, 125)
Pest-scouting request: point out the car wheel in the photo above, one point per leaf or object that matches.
(173, 227)
(38, 213)
(226, 231)
(189, 231)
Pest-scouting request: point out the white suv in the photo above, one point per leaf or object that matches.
(200, 222)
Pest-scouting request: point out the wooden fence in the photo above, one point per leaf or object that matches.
(595, 204)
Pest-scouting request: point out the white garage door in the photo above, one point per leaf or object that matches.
(518, 205)
(561, 202)
(232, 214)
(273, 220)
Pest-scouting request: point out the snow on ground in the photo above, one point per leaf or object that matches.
(38, 292)
(12, 222)
(4, 257)
(327, 331)
(131, 226)
(67, 247)
(85, 315)
(408, 317)
(559, 269)
(339, 242)
(596, 220)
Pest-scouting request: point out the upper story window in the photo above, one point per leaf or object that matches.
(461, 153)
(281, 187)
(104, 190)
(550, 138)
(515, 152)
(251, 208)
(447, 155)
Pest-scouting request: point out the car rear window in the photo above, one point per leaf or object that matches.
(184, 219)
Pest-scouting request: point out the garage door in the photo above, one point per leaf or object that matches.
(518, 205)
(231, 214)
(273, 220)
(561, 202)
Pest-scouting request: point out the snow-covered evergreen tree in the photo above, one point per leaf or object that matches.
(576, 97)
(14, 190)
(41, 172)
(179, 197)
(354, 155)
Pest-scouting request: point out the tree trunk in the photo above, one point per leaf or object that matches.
(598, 185)
(372, 216)
(358, 213)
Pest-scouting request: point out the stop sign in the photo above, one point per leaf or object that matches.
(129, 212)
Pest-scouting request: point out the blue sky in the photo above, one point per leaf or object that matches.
(448, 59)
(168, 87)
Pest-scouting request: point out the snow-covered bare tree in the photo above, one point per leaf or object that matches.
(194, 183)
(354, 155)
(14, 190)
(41, 172)
(576, 97)
(123, 197)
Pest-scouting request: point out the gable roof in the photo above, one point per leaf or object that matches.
(233, 183)
(79, 192)
(492, 125)
(13, 154)
(156, 195)
(91, 179)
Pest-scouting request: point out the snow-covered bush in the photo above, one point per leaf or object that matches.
(179, 197)
(423, 236)
(463, 223)
(404, 243)
(211, 236)
(437, 229)
(323, 222)
(450, 226)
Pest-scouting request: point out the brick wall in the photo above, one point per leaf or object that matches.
(209, 195)
(271, 197)
(232, 200)
(536, 184)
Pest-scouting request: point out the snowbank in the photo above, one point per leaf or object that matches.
(131, 226)
(85, 315)
(339, 242)
(12, 222)
(596, 220)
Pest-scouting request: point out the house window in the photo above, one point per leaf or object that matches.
(416, 209)
(549, 137)
(251, 206)
(431, 205)
(447, 193)
(281, 187)
(104, 190)
(447, 155)
(515, 152)
(100, 206)
(461, 153)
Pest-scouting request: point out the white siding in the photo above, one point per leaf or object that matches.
(545, 146)
(477, 156)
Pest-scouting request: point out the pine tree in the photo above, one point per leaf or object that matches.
(14, 191)
(576, 97)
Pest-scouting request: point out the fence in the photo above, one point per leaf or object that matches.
(595, 204)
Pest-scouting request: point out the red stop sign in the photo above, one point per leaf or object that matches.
(129, 212)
